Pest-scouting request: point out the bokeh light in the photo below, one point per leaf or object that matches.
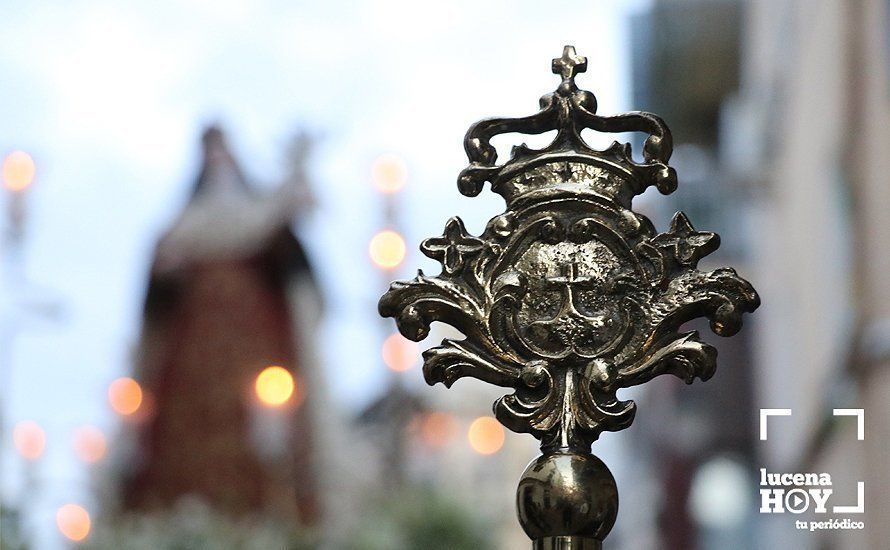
(29, 439)
(125, 396)
(73, 521)
(719, 497)
(274, 386)
(437, 429)
(387, 249)
(18, 171)
(399, 353)
(389, 173)
(90, 444)
(486, 435)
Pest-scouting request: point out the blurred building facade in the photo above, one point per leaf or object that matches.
(230, 292)
(813, 127)
(781, 113)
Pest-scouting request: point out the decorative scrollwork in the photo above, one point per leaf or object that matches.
(569, 295)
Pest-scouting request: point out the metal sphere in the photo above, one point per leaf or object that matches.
(567, 495)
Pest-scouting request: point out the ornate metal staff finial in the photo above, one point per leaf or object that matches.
(568, 296)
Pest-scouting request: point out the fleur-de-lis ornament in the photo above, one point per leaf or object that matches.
(568, 296)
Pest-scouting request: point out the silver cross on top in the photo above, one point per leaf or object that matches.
(570, 64)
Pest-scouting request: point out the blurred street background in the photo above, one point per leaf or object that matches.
(203, 200)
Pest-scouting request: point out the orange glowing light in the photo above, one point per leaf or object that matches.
(89, 444)
(486, 435)
(387, 249)
(29, 439)
(73, 521)
(18, 171)
(399, 354)
(125, 396)
(274, 386)
(437, 429)
(389, 173)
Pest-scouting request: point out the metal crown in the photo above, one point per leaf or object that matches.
(569, 111)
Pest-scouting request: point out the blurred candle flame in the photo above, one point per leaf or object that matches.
(73, 521)
(486, 435)
(29, 439)
(399, 353)
(18, 171)
(274, 386)
(437, 429)
(389, 173)
(125, 396)
(387, 249)
(90, 444)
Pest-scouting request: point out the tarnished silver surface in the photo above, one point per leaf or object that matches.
(569, 295)
(564, 494)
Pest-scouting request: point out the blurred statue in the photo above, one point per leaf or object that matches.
(230, 293)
